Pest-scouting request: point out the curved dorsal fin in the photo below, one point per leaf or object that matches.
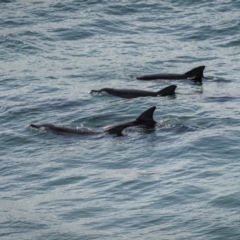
(196, 72)
(170, 90)
(147, 116)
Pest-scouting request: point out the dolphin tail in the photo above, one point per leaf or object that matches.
(196, 73)
(147, 116)
(117, 130)
(170, 90)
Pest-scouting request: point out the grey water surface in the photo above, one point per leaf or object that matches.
(180, 180)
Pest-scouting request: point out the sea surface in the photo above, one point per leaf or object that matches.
(180, 180)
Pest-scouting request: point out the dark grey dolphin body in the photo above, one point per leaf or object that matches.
(133, 93)
(145, 120)
(195, 74)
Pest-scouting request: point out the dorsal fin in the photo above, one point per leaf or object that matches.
(147, 116)
(196, 72)
(170, 90)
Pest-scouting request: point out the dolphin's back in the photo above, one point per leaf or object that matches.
(61, 129)
(162, 76)
(195, 74)
(145, 118)
(134, 93)
(117, 129)
(127, 93)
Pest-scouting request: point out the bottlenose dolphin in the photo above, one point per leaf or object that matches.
(195, 74)
(145, 120)
(133, 93)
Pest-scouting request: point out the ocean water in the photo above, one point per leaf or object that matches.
(180, 180)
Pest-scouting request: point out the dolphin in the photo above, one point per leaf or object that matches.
(144, 120)
(196, 74)
(133, 93)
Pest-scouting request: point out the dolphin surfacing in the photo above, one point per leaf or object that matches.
(133, 93)
(196, 74)
(145, 119)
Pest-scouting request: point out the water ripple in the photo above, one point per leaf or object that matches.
(179, 180)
